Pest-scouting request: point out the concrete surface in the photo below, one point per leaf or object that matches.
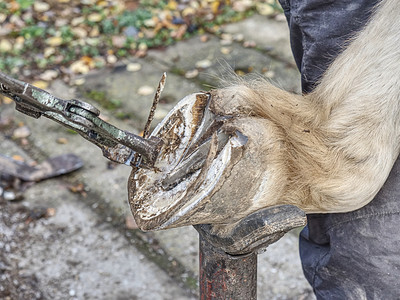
(85, 250)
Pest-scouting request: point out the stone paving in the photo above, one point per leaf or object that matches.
(85, 250)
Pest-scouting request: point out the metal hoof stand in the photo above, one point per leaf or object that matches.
(224, 276)
(228, 263)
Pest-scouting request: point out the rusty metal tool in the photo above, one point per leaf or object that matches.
(116, 144)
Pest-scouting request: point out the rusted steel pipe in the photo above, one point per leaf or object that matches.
(223, 276)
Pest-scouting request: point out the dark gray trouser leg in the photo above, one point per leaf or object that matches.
(354, 255)
(319, 30)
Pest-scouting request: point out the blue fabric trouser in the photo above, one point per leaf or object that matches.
(353, 255)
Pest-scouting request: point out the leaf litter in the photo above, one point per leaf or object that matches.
(43, 40)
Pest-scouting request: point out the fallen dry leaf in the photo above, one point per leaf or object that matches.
(41, 6)
(50, 212)
(62, 141)
(79, 81)
(88, 61)
(111, 59)
(79, 67)
(227, 36)
(146, 90)
(203, 64)
(24, 142)
(78, 188)
(204, 38)
(40, 84)
(280, 18)
(19, 43)
(225, 50)
(265, 9)
(5, 122)
(241, 5)
(18, 157)
(5, 46)
(172, 5)
(49, 75)
(54, 41)
(77, 21)
(188, 11)
(178, 34)
(80, 32)
(95, 17)
(143, 47)
(269, 74)
(102, 3)
(7, 100)
(133, 67)
(118, 41)
(238, 37)
(215, 6)
(141, 53)
(49, 51)
(3, 17)
(95, 32)
(249, 44)
(192, 73)
(21, 132)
